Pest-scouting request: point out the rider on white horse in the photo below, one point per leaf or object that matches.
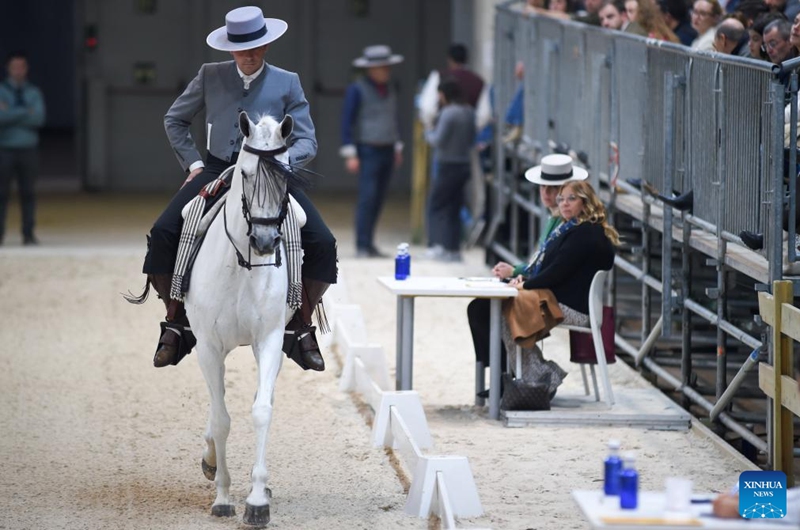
(223, 90)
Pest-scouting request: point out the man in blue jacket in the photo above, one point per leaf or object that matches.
(371, 143)
(223, 90)
(21, 116)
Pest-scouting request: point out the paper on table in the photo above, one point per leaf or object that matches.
(650, 521)
(479, 281)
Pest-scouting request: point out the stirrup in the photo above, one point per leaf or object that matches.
(186, 340)
(291, 346)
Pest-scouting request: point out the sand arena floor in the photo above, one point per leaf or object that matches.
(93, 437)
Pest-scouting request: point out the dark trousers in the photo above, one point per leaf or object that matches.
(478, 315)
(319, 245)
(24, 165)
(447, 198)
(376, 166)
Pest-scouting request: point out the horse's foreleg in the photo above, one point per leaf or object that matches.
(209, 462)
(219, 426)
(269, 359)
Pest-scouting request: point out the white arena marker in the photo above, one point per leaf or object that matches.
(409, 406)
(424, 496)
(373, 361)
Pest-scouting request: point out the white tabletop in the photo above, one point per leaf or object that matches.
(604, 512)
(477, 287)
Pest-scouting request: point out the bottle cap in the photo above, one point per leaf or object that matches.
(629, 457)
(614, 444)
(402, 246)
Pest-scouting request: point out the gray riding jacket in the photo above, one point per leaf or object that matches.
(219, 90)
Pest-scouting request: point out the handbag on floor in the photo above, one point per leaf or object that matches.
(519, 395)
(581, 345)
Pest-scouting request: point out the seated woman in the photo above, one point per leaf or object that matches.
(566, 264)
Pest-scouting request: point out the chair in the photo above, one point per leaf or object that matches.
(595, 326)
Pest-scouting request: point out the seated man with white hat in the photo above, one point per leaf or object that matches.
(223, 90)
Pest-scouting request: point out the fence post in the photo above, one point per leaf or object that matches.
(782, 429)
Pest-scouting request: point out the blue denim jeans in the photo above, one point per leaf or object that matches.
(377, 163)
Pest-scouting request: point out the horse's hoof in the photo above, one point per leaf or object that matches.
(257, 516)
(209, 471)
(223, 510)
(268, 492)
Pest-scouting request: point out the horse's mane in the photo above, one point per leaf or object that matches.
(289, 172)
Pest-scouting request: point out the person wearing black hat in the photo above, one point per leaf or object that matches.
(371, 143)
(222, 91)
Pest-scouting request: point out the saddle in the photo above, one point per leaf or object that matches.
(200, 212)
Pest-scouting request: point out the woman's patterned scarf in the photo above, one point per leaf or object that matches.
(536, 266)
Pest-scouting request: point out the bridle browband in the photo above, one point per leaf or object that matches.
(266, 156)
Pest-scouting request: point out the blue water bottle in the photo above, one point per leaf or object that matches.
(628, 483)
(402, 262)
(612, 465)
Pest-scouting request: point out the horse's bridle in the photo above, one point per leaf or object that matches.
(263, 221)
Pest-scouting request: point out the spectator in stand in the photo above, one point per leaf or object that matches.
(470, 83)
(705, 17)
(756, 31)
(632, 9)
(613, 16)
(789, 8)
(676, 17)
(750, 10)
(649, 17)
(589, 15)
(731, 38)
(565, 7)
(794, 38)
(776, 41)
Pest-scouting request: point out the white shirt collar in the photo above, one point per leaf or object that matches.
(249, 78)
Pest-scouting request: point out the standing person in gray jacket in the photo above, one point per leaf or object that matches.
(223, 90)
(21, 116)
(371, 143)
(452, 138)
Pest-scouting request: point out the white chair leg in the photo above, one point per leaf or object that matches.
(518, 367)
(601, 363)
(585, 381)
(594, 383)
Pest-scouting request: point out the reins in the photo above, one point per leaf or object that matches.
(264, 158)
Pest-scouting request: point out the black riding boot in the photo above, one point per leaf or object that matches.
(176, 338)
(299, 340)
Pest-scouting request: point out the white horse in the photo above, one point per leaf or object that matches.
(231, 305)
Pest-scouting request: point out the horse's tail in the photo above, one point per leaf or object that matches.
(142, 298)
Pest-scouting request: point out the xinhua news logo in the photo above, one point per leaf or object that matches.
(762, 494)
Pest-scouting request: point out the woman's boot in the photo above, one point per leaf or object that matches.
(299, 339)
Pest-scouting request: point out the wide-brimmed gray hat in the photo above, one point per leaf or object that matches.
(377, 55)
(555, 170)
(246, 28)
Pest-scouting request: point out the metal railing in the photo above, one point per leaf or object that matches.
(681, 121)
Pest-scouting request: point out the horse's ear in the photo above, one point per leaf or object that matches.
(287, 125)
(244, 124)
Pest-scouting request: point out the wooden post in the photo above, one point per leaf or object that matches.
(419, 183)
(782, 418)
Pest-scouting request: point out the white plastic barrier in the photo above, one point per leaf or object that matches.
(442, 485)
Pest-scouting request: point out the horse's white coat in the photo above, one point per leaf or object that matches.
(231, 306)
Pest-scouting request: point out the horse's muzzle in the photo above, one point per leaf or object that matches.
(265, 240)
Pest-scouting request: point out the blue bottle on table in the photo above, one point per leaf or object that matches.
(612, 466)
(402, 262)
(628, 483)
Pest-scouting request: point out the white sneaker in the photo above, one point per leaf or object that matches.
(434, 252)
(450, 256)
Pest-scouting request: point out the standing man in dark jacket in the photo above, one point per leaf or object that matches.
(371, 143)
(21, 115)
(469, 82)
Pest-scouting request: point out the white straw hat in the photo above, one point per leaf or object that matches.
(378, 55)
(555, 170)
